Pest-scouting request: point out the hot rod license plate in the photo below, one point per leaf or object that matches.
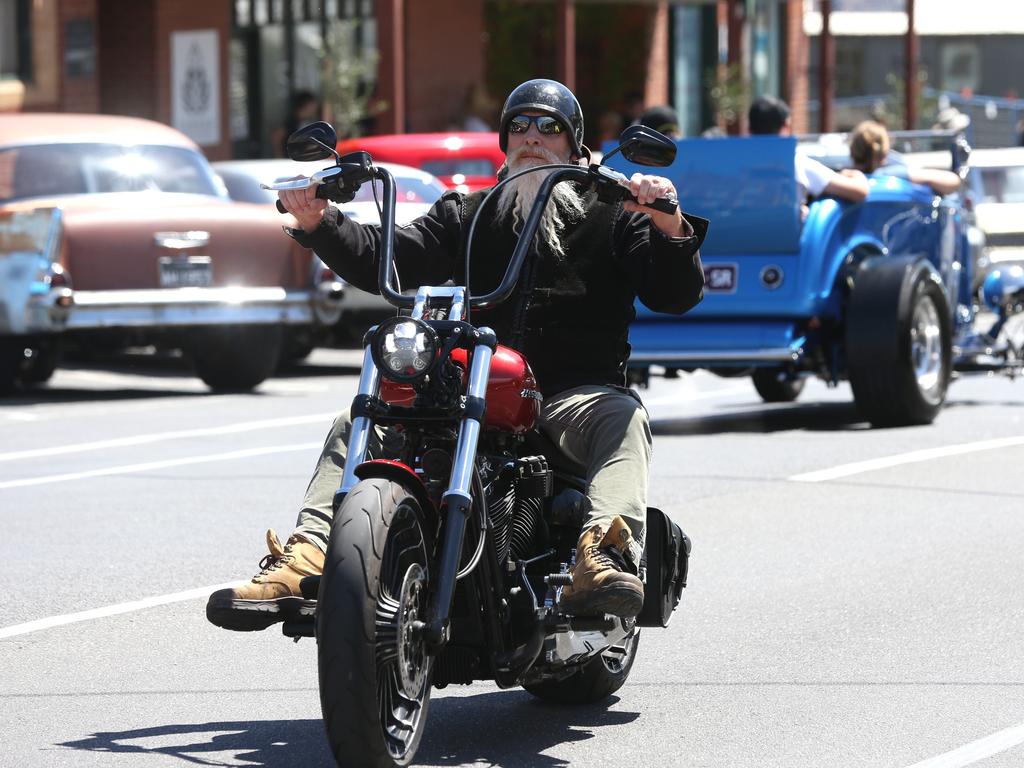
(720, 278)
(186, 272)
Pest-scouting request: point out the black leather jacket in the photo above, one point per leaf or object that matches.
(569, 316)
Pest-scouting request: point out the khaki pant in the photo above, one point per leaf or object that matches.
(603, 430)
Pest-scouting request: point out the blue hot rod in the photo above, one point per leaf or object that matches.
(876, 293)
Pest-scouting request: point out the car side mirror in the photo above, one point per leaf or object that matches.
(645, 146)
(315, 141)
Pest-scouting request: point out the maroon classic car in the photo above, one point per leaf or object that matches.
(115, 230)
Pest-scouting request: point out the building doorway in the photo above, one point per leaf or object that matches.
(277, 51)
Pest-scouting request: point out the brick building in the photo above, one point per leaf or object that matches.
(225, 70)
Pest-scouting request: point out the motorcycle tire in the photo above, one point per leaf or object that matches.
(598, 679)
(375, 675)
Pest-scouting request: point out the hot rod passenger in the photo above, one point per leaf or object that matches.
(769, 115)
(570, 317)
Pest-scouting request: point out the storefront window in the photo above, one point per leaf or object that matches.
(15, 57)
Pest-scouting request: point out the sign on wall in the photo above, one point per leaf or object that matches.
(195, 85)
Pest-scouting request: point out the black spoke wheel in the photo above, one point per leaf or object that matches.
(375, 674)
(596, 680)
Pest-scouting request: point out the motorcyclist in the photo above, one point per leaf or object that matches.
(569, 316)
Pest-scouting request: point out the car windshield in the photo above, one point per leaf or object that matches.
(45, 170)
(1002, 185)
(467, 166)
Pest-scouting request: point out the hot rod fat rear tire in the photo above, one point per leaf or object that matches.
(898, 341)
(235, 358)
(375, 675)
(598, 679)
(773, 389)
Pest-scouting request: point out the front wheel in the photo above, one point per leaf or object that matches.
(375, 674)
(775, 386)
(596, 680)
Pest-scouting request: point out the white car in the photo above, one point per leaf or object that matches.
(416, 191)
(995, 195)
(996, 181)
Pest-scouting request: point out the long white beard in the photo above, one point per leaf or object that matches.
(517, 199)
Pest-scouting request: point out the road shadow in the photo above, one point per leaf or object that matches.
(811, 417)
(505, 729)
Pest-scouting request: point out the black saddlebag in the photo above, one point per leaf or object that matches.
(665, 562)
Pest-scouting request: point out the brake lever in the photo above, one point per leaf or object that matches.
(663, 204)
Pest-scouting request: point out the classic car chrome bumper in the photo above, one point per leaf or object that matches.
(176, 307)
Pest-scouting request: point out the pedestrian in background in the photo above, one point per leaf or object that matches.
(663, 119)
(303, 110)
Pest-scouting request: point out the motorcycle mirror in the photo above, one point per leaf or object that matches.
(312, 142)
(645, 146)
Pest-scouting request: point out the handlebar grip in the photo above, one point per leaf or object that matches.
(280, 207)
(662, 204)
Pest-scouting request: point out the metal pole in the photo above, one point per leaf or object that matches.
(566, 44)
(735, 19)
(826, 64)
(910, 56)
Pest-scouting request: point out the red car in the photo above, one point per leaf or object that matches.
(465, 162)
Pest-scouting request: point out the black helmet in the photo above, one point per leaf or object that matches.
(547, 96)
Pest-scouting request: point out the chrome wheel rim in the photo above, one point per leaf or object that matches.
(926, 346)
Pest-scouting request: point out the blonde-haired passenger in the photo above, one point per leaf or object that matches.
(869, 146)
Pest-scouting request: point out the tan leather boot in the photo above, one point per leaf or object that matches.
(273, 594)
(600, 582)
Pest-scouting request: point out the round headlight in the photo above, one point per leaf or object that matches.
(404, 349)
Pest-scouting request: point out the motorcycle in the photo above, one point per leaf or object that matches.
(446, 562)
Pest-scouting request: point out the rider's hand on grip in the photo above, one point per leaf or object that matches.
(304, 205)
(663, 204)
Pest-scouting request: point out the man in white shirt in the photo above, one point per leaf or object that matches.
(770, 116)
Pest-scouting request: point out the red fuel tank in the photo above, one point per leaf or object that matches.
(513, 401)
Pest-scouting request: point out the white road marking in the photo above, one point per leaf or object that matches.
(150, 465)
(156, 437)
(926, 454)
(17, 416)
(976, 750)
(111, 610)
(682, 398)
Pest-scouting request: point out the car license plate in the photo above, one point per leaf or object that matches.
(186, 272)
(720, 278)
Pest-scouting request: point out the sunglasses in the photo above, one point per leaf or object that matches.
(548, 126)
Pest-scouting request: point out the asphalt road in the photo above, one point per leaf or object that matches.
(862, 616)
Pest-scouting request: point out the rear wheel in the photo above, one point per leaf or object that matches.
(898, 342)
(235, 358)
(375, 674)
(596, 680)
(775, 386)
